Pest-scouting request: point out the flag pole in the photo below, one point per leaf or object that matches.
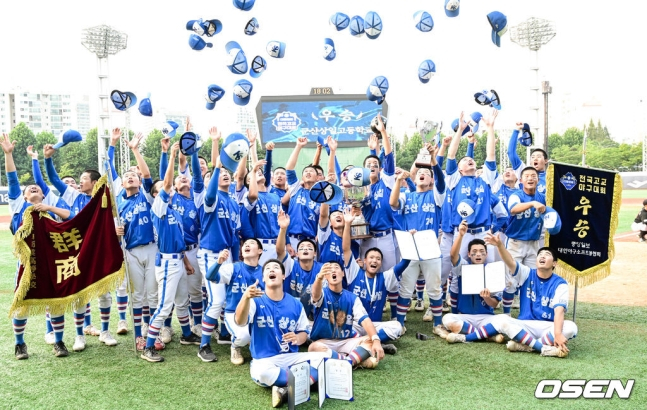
(108, 170)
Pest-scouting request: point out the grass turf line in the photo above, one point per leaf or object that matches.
(424, 374)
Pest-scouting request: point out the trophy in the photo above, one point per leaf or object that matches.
(359, 228)
(427, 129)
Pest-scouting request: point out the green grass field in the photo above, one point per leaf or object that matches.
(424, 374)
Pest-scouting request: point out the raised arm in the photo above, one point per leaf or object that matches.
(394, 199)
(456, 139)
(8, 147)
(241, 315)
(454, 253)
(252, 137)
(346, 239)
(284, 222)
(332, 146)
(114, 138)
(316, 292)
(215, 138)
(240, 173)
(493, 239)
(267, 170)
(490, 149)
(168, 176)
(515, 161)
(52, 175)
(385, 136)
(141, 163)
(35, 170)
(294, 157)
(198, 181)
(253, 181)
(165, 142)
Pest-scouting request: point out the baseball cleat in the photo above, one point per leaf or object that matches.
(197, 329)
(370, 363)
(140, 343)
(441, 331)
(518, 347)
(79, 343)
(60, 350)
(191, 339)
(107, 339)
(21, 352)
(150, 355)
(389, 349)
(553, 351)
(90, 330)
(206, 355)
(455, 338)
(159, 344)
(497, 339)
(446, 307)
(122, 327)
(420, 305)
(428, 316)
(145, 329)
(279, 396)
(50, 339)
(224, 339)
(166, 334)
(236, 356)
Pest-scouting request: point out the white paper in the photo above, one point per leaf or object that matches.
(495, 276)
(321, 373)
(473, 279)
(301, 372)
(407, 245)
(339, 379)
(427, 244)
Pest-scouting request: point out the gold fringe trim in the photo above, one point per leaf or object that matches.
(602, 270)
(59, 306)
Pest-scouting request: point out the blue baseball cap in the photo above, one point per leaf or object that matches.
(490, 98)
(123, 100)
(526, 136)
(244, 5)
(475, 118)
(251, 27)
(322, 141)
(204, 28)
(376, 91)
(214, 94)
(359, 176)
(276, 49)
(552, 221)
(455, 127)
(197, 43)
(236, 60)
(340, 21)
(426, 70)
(356, 26)
(169, 128)
(242, 92)
(234, 149)
(452, 7)
(499, 23)
(66, 137)
(259, 65)
(190, 143)
(467, 210)
(329, 49)
(372, 25)
(324, 192)
(145, 107)
(423, 21)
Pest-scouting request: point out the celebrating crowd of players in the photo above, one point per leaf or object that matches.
(251, 259)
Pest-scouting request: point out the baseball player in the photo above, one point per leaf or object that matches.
(278, 326)
(171, 267)
(77, 200)
(541, 326)
(336, 311)
(41, 200)
(474, 311)
(234, 278)
(538, 160)
(275, 181)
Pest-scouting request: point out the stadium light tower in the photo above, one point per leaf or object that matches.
(103, 41)
(532, 34)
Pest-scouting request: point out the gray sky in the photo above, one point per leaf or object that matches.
(591, 56)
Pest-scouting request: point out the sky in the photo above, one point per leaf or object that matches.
(590, 58)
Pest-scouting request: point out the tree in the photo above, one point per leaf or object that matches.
(24, 137)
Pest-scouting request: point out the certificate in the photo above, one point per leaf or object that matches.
(339, 379)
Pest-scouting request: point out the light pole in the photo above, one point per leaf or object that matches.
(532, 34)
(103, 41)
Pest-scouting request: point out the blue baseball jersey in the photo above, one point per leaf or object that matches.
(375, 207)
(264, 215)
(446, 215)
(219, 222)
(269, 320)
(135, 216)
(330, 245)
(527, 225)
(503, 192)
(187, 210)
(421, 210)
(335, 313)
(298, 281)
(17, 203)
(538, 297)
(303, 211)
(518, 165)
(278, 191)
(471, 304)
(237, 277)
(371, 292)
(167, 224)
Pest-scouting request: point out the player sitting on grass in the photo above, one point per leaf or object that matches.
(474, 311)
(278, 326)
(336, 311)
(543, 301)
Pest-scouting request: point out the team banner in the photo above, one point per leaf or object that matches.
(588, 202)
(63, 264)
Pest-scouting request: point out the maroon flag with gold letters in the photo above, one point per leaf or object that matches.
(64, 264)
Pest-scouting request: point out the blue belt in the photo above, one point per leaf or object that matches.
(268, 241)
(381, 234)
(171, 255)
(474, 231)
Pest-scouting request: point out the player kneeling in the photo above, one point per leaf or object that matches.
(278, 325)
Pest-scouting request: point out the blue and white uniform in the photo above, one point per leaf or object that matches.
(330, 245)
(525, 228)
(518, 165)
(268, 321)
(263, 216)
(378, 214)
(303, 211)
